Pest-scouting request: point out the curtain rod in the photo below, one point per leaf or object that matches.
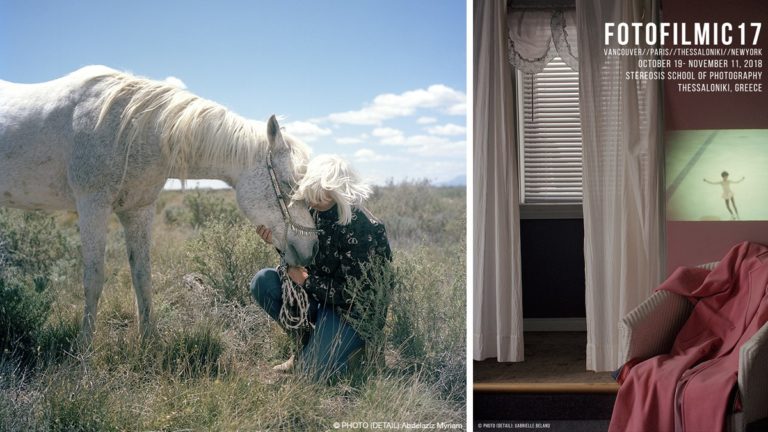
(541, 4)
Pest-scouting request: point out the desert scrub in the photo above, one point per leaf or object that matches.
(17, 402)
(33, 247)
(369, 296)
(209, 365)
(206, 207)
(78, 402)
(426, 326)
(23, 310)
(33, 253)
(417, 213)
(195, 352)
(402, 399)
(228, 256)
(57, 338)
(296, 405)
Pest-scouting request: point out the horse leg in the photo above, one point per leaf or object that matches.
(138, 234)
(93, 213)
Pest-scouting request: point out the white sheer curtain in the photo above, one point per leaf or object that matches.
(537, 36)
(497, 318)
(623, 224)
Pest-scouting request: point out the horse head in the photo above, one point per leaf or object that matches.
(264, 195)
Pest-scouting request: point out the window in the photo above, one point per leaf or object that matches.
(550, 141)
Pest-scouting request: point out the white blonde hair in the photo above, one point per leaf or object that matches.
(330, 176)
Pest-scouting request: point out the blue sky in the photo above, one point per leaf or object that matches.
(382, 83)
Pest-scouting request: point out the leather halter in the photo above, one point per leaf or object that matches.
(281, 200)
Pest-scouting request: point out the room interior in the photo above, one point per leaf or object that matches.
(559, 278)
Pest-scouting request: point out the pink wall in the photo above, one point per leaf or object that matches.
(694, 243)
(691, 243)
(718, 110)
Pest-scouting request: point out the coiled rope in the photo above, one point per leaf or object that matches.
(294, 314)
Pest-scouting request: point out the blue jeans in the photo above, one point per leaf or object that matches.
(330, 344)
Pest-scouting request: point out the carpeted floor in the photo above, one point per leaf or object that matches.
(550, 357)
(550, 391)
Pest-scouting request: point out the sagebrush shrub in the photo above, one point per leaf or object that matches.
(206, 207)
(32, 247)
(32, 253)
(23, 311)
(370, 296)
(56, 338)
(427, 311)
(228, 256)
(176, 215)
(416, 213)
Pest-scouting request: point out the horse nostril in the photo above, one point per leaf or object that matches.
(302, 258)
(294, 252)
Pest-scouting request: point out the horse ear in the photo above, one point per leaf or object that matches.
(274, 135)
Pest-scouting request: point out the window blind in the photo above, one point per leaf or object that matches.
(550, 154)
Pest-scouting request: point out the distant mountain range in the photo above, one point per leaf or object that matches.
(456, 181)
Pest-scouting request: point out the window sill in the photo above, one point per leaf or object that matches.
(551, 211)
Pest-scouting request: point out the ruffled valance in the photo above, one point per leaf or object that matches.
(538, 36)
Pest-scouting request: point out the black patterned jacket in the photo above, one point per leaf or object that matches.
(344, 252)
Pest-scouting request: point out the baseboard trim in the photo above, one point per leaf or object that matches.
(554, 324)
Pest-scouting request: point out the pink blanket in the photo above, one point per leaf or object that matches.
(697, 378)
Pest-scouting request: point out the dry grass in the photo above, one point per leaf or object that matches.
(208, 368)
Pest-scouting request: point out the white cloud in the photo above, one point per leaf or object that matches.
(368, 155)
(447, 129)
(457, 109)
(388, 106)
(306, 131)
(386, 132)
(364, 154)
(176, 82)
(425, 140)
(395, 137)
(426, 120)
(449, 149)
(389, 136)
(349, 140)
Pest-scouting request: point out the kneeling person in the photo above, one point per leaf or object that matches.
(343, 310)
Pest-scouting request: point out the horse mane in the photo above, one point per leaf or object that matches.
(190, 128)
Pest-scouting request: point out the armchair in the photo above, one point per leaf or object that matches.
(650, 329)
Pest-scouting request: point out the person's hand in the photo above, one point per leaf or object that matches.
(265, 233)
(297, 274)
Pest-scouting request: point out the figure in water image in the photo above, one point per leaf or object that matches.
(728, 193)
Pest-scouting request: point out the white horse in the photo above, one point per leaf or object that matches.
(99, 141)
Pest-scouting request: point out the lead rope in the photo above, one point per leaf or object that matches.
(294, 313)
